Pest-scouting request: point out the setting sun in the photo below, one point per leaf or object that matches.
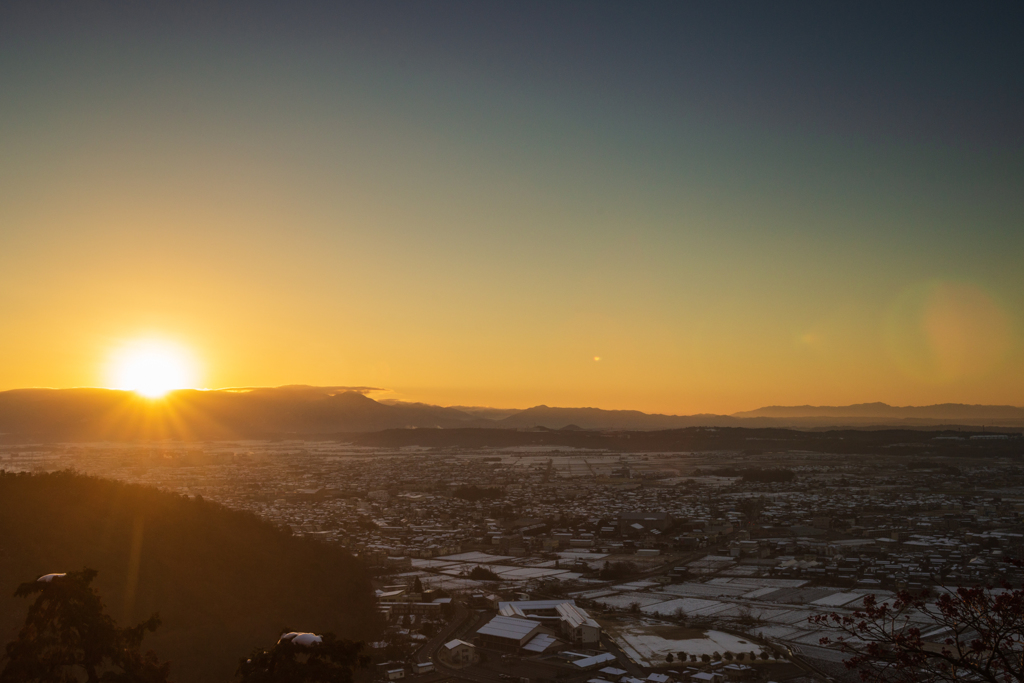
(153, 368)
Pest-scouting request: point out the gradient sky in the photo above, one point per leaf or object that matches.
(729, 204)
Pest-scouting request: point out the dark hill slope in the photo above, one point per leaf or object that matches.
(222, 581)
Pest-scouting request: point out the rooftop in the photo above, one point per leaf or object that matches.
(508, 627)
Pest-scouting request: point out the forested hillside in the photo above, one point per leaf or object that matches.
(222, 581)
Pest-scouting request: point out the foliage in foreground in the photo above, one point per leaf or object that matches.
(67, 634)
(973, 634)
(329, 660)
(221, 579)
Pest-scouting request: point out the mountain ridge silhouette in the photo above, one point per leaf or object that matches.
(299, 411)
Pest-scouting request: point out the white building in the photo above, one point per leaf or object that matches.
(577, 625)
(508, 633)
(562, 616)
(459, 651)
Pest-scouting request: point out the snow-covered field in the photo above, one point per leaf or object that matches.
(688, 605)
(624, 600)
(649, 648)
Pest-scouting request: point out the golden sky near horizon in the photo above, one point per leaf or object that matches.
(470, 231)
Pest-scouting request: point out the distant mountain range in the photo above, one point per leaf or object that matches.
(106, 414)
(595, 418)
(800, 417)
(942, 411)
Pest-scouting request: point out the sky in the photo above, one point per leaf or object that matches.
(670, 207)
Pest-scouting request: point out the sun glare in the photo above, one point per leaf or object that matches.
(152, 369)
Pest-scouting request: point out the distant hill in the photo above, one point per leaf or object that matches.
(222, 581)
(107, 414)
(488, 413)
(596, 418)
(943, 411)
(304, 411)
(873, 415)
(863, 416)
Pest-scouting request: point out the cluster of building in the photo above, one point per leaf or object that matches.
(563, 553)
(535, 625)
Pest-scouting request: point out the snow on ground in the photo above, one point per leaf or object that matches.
(742, 570)
(725, 610)
(530, 573)
(837, 599)
(456, 570)
(476, 557)
(449, 583)
(822, 653)
(768, 614)
(581, 555)
(806, 638)
(600, 593)
(636, 586)
(778, 631)
(717, 609)
(499, 569)
(796, 616)
(430, 564)
(624, 600)
(649, 649)
(669, 607)
(508, 573)
(760, 582)
(703, 590)
(711, 560)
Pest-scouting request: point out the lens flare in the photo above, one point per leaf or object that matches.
(947, 331)
(152, 368)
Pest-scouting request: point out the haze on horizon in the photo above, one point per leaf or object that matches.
(666, 208)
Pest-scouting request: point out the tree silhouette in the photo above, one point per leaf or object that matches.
(480, 573)
(67, 634)
(967, 634)
(751, 509)
(303, 658)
